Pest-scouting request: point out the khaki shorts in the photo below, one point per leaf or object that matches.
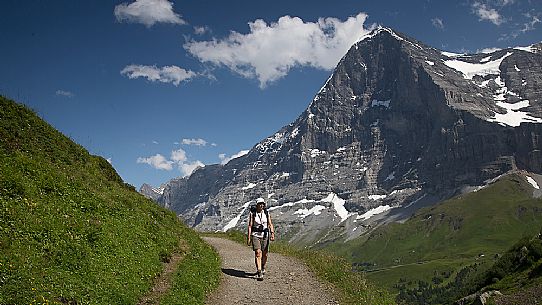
(260, 243)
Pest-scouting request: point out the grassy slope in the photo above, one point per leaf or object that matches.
(438, 241)
(72, 231)
(352, 287)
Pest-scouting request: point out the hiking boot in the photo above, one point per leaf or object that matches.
(259, 277)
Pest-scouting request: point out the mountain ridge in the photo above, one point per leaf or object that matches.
(393, 126)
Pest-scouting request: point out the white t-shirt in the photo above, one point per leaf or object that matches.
(259, 219)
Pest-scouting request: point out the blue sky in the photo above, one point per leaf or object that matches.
(160, 87)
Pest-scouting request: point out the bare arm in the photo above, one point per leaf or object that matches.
(249, 232)
(270, 226)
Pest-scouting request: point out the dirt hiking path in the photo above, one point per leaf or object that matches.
(287, 280)
(162, 283)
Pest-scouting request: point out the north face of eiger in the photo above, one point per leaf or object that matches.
(398, 125)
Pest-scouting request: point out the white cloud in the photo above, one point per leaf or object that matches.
(157, 161)
(181, 160)
(485, 12)
(148, 12)
(438, 23)
(67, 94)
(200, 30)
(167, 74)
(268, 52)
(529, 26)
(188, 168)
(178, 158)
(197, 142)
(224, 159)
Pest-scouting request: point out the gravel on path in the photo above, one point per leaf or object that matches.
(287, 280)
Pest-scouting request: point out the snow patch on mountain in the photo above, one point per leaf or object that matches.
(338, 205)
(450, 54)
(249, 186)
(316, 210)
(485, 59)
(372, 212)
(469, 70)
(232, 223)
(159, 190)
(529, 49)
(290, 204)
(377, 197)
(316, 152)
(294, 133)
(532, 182)
(513, 117)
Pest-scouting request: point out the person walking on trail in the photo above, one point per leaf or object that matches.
(260, 231)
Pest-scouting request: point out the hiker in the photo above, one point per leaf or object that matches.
(260, 231)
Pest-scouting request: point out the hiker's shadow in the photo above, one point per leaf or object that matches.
(237, 273)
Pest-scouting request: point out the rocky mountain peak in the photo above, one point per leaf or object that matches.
(150, 192)
(398, 125)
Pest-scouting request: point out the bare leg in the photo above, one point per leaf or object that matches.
(264, 259)
(258, 259)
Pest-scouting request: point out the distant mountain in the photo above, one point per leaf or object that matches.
(397, 126)
(150, 192)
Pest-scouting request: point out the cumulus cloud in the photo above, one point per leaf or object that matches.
(148, 12)
(64, 93)
(178, 158)
(224, 159)
(167, 74)
(188, 168)
(157, 161)
(485, 12)
(197, 142)
(438, 23)
(269, 51)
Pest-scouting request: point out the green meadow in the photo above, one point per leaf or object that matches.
(72, 232)
(467, 235)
